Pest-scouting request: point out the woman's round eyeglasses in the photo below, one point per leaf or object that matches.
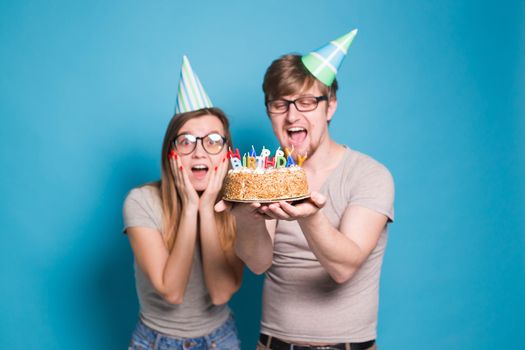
(212, 143)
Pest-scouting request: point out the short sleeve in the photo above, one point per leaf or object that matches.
(374, 189)
(138, 210)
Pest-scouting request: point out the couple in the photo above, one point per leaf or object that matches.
(322, 257)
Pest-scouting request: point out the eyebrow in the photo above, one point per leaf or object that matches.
(211, 132)
(291, 99)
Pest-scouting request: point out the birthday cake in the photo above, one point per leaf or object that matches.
(264, 178)
(265, 185)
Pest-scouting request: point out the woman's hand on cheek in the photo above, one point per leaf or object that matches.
(216, 178)
(188, 195)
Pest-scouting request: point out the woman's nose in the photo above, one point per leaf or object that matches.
(199, 149)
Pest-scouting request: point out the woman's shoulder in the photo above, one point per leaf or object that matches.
(143, 206)
(146, 193)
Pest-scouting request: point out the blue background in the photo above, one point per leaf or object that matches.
(433, 89)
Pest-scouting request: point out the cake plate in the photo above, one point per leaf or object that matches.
(268, 201)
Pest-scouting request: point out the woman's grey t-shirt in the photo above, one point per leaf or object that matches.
(196, 316)
(301, 301)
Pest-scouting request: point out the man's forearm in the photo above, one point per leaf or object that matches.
(337, 253)
(254, 246)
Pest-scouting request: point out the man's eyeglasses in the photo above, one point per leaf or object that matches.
(302, 104)
(212, 143)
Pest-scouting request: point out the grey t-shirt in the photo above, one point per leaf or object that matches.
(301, 302)
(196, 316)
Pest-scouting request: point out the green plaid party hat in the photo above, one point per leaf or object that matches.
(324, 62)
(191, 95)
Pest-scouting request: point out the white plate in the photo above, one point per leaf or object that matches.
(264, 201)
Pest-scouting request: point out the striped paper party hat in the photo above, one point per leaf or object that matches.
(191, 95)
(324, 62)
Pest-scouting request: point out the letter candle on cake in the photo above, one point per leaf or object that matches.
(301, 159)
(235, 158)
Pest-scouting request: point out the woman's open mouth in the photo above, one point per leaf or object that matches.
(199, 171)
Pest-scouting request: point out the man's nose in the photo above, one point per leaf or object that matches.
(293, 114)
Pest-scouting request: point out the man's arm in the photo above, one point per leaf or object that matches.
(255, 235)
(341, 252)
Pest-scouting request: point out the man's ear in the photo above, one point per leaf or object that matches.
(332, 106)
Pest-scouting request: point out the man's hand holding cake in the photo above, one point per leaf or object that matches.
(283, 210)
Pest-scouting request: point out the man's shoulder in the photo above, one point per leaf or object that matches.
(370, 184)
(361, 162)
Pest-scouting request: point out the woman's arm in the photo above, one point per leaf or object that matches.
(222, 268)
(168, 271)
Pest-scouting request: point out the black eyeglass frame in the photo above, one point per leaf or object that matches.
(174, 142)
(289, 102)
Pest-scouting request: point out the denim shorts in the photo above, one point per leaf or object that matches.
(222, 338)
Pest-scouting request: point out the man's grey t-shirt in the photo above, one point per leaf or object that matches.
(301, 302)
(196, 316)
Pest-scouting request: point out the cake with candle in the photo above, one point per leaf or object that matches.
(265, 179)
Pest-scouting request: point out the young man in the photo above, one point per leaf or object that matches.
(322, 257)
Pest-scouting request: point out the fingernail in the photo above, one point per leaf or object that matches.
(215, 168)
(176, 156)
(223, 159)
(180, 168)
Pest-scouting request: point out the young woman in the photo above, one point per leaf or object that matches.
(185, 266)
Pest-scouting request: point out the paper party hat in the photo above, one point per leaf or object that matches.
(191, 95)
(324, 62)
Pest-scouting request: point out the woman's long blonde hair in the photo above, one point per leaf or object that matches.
(171, 201)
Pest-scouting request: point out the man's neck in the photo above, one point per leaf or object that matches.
(325, 158)
(322, 163)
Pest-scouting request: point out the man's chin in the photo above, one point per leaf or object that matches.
(289, 144)
(299, 148)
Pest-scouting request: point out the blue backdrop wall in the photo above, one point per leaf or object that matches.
(433, 89)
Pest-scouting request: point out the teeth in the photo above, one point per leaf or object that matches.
(296, 129)
(200, 167)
